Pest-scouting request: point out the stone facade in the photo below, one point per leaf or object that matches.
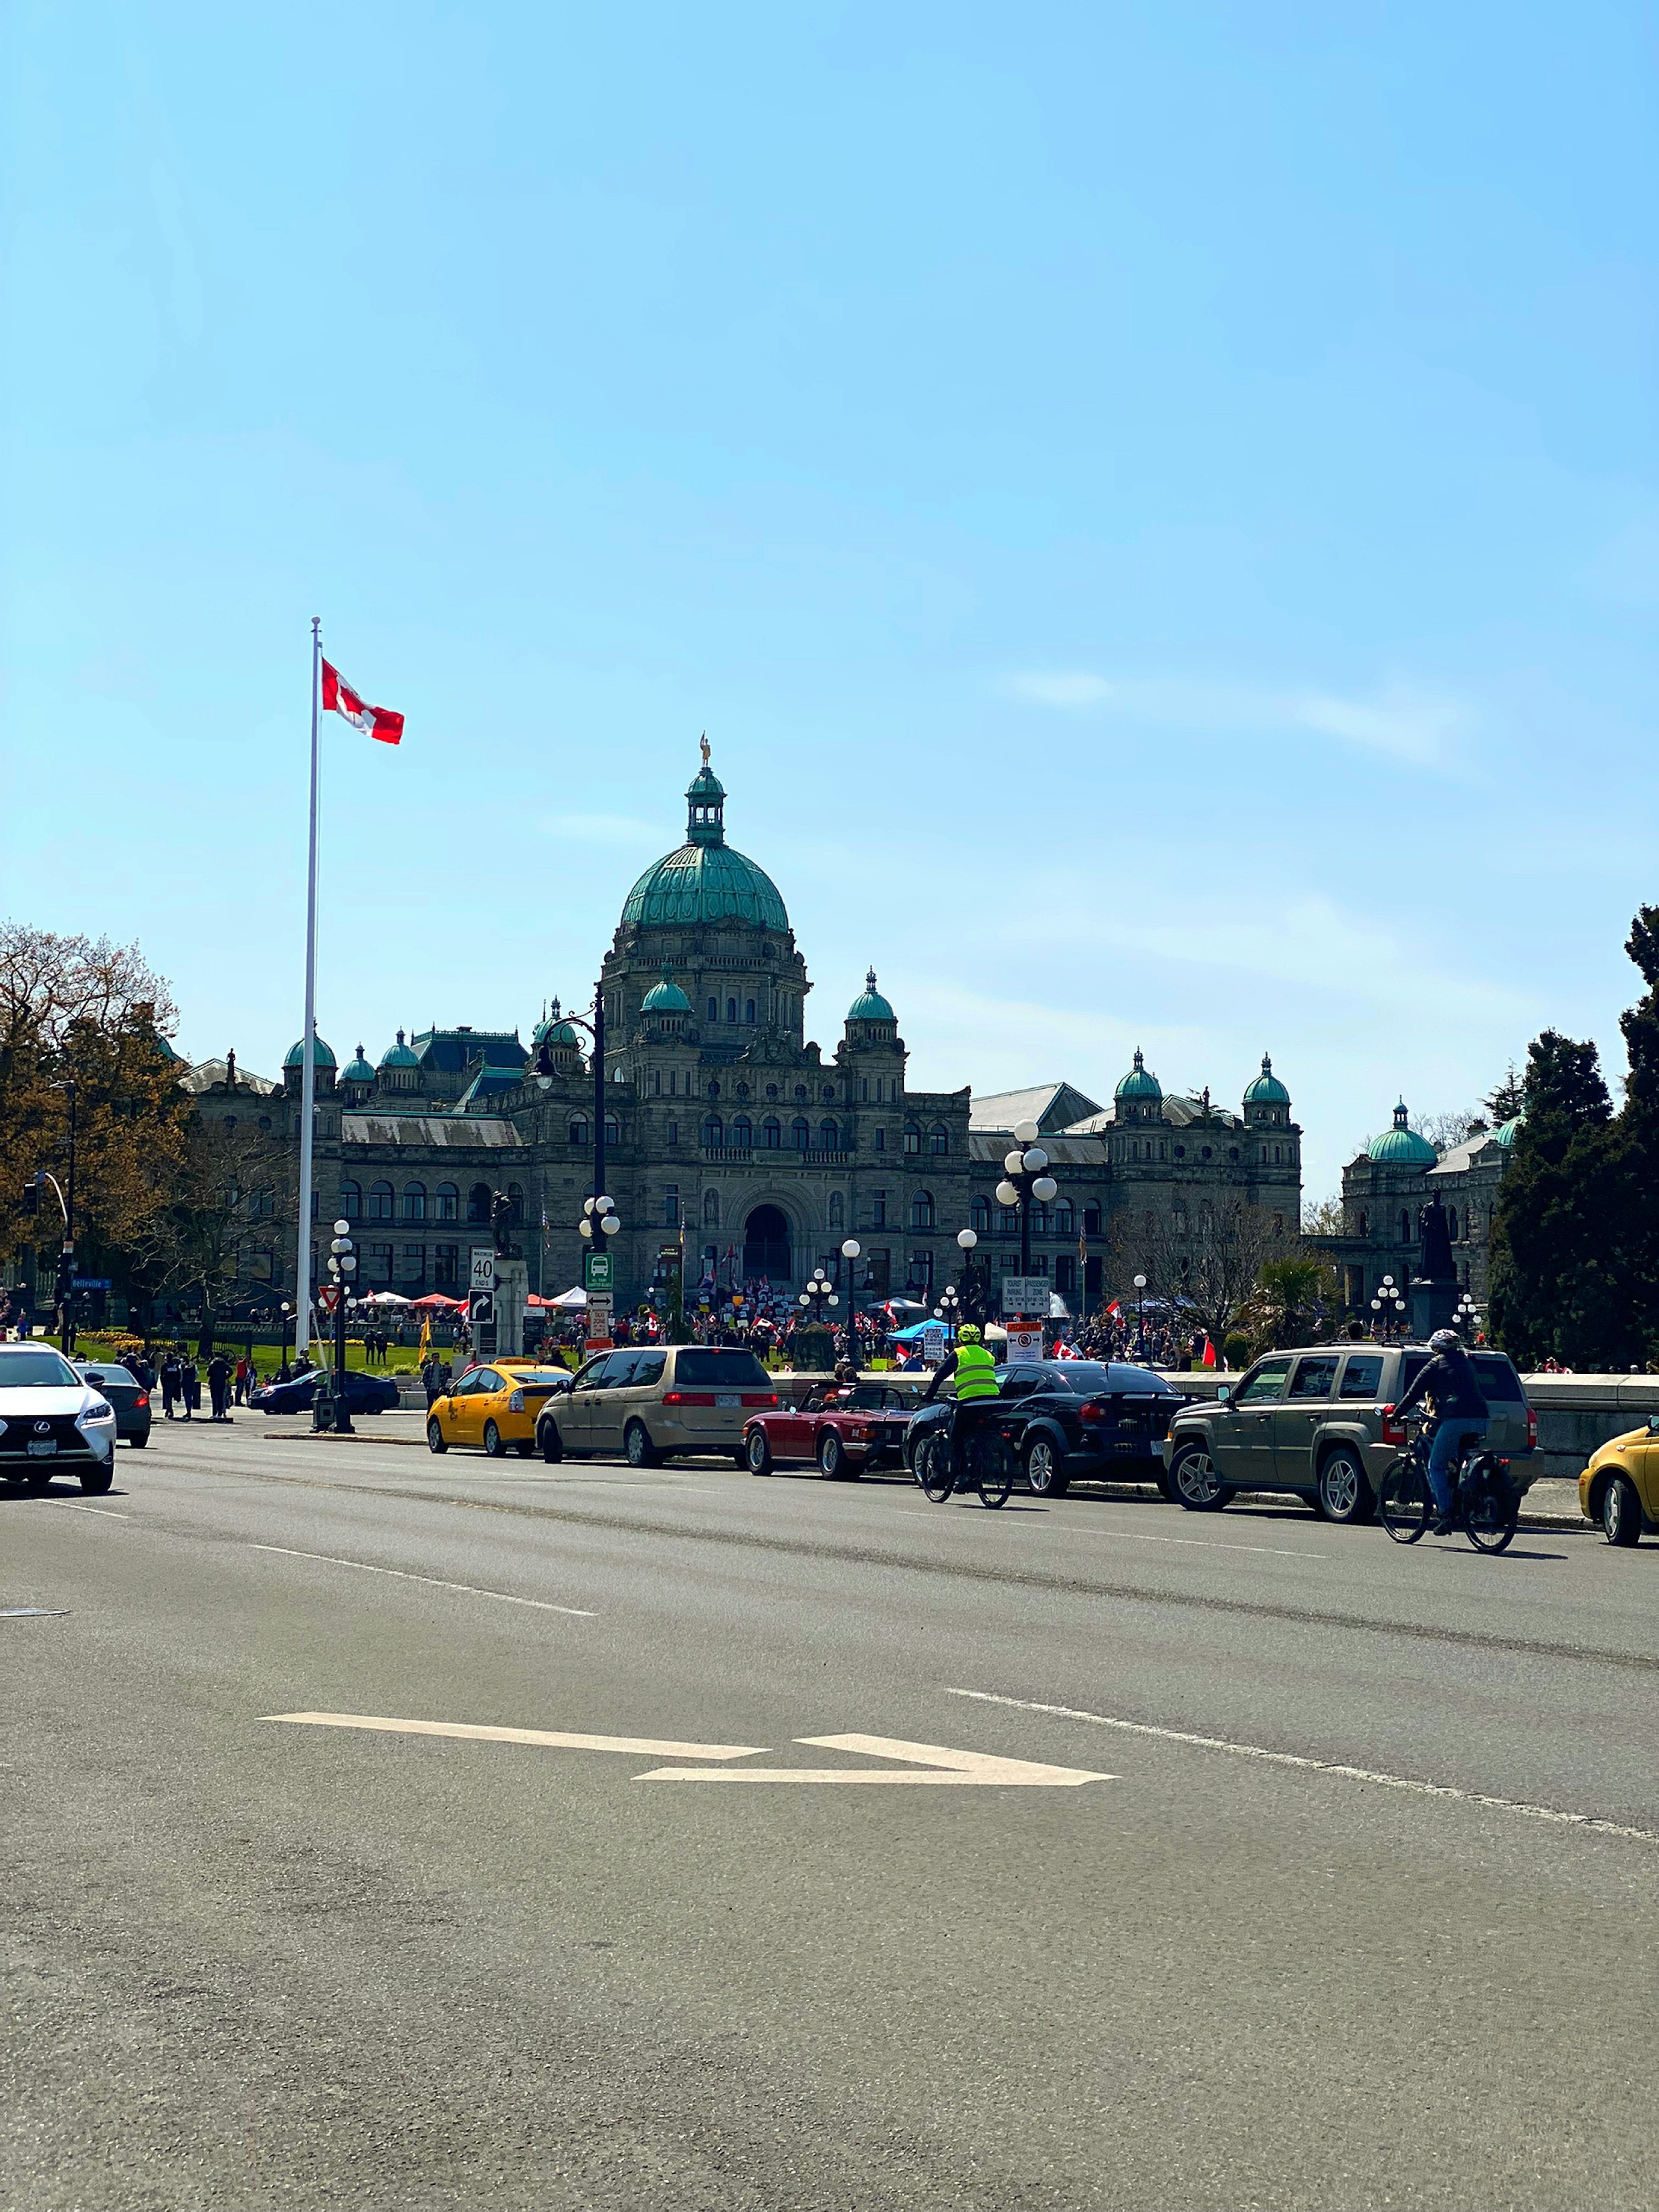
(1386, 1184)
(723, 1115)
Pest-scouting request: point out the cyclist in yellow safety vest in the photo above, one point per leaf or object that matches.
(975, 1372)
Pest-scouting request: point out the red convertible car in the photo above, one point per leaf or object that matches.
(844, 1432)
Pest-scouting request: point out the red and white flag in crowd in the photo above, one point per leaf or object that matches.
(1114, 1310)
(339, 698)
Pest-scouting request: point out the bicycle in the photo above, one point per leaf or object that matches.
(987, 1467)
(1484, 1504)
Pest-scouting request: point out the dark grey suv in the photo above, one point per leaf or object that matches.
(1317, 1423)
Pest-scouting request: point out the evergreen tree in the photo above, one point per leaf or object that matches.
(1638, 1133)
(1560, 1282)
(1507, 1101)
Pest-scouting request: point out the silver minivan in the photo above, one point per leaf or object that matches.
(1319, 1422)
(649, 1402)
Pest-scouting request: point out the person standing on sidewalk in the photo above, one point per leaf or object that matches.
(219, 1386)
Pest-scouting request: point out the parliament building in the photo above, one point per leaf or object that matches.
(726, 1120)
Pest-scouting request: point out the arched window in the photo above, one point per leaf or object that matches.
(448, 1200)
(579, 1134)
(515, 1204)
(1040, 1222)
(1404, 1226)
(800, 1134)
(1092, 1221)
(829, 1136)
(979, 1216)
(921, 1209)
(771, 1133)
(912, 1137)
(713, 1010)
(714, 1131)
(711, 1209)
(749, 1010)
(1451, 1224)
(837, 1211)
(351, 1201)
(414, 1202)
(1364, 1225)
(939, 1138)
(1179, 1217)
(1065, 1218)
(732, 1010)
(478, 1202)
(742, 1132)
(1205, 1221)
(612, 1130)
(380, 1201)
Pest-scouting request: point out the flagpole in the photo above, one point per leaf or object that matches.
(308, 1052)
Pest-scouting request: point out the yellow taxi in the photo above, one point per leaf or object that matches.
(493, 1406)
(1620, 1486)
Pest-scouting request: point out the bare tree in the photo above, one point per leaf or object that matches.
(1443, 1131)
(1323, 1217)
(229, 1211)
(1204, 1267)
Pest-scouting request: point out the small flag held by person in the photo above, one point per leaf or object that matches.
(339, 698)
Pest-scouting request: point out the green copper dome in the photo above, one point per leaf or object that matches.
(1139, 1082)
(358, 1069)
(665, 997)
(553, 1029)
(398, 1055)
(1400, 1147)
(296, 1054)
(1505, 1134)
(869, 1005)
(705, 880)
(1266, 1090)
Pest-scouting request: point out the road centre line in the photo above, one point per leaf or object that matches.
(103, 1511)
(1260, 1752)
(556, 1739)
(399, 1574)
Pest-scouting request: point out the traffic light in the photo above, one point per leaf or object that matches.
(31, 1195)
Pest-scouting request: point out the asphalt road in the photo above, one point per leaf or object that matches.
(258, 1962)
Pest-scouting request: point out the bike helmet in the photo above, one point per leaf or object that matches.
(968, 1333)
(1445, 1339)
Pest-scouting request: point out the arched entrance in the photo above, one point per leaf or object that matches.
(766, 1245)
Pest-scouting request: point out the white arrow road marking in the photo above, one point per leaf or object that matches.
(934, 1763)
(554, 1739)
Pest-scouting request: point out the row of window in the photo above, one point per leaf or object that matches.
(415, 1203)
(1060, 1220)
(740, 1134)
(1408, 1227)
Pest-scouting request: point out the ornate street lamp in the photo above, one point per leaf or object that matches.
(850, 1251)
(820, 1292)
(343, 1266)
(1468, 1319)
(949, 1307)
(966, 1240)
(1140, 1317)
(1389, 1307)
(1026, 1179)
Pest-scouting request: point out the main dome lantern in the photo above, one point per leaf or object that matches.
(705, 880)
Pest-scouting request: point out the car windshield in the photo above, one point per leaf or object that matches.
(1087, 1378)
(541, 1377)
(867, 1398)
(724, 1370)
(103, 1377)
(36, 1370)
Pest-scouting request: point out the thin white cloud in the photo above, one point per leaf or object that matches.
(1402, 721)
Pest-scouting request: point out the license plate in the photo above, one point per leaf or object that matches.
(734, 1400)
(42, 1449)
(1131, 1446)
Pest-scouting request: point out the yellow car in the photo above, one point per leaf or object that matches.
(494, 1406)
(1620, 1486)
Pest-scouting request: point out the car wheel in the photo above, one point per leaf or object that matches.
(552, 1448)
(1621, 1512)
(139, 1443)
(832, 1457)
(1197, 1485)
(757, 1453)
(434, 1438)
(97, 1481)
(1044, 1476)
(524, 1448)
(1344, 1491)
(636, 1446)
(492, 1441)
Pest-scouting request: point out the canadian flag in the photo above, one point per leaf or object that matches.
(1115, 1307)
(339, 698)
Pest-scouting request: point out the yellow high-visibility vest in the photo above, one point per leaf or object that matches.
(975, 1375)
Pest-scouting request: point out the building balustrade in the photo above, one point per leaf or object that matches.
(773, 1155)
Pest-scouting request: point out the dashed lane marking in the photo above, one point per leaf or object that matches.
(104, 1512)
(553, 1738)
(400, 1574)
(934, 1763)
(1409, 1784)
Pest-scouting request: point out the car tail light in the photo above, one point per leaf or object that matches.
(1394, 1432)
(688, 1397)
(1532, 1428)
(515, 1403)
(1092, 1410)
(143, 1399)
(769, 1398)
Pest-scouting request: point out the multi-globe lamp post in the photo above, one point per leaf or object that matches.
(820, 1292)
(850, 1251)
(1026, 1179)
(1140, 1317)
(966, 1240)
(1389, 1306)
(343, 1266)
(1468, 1319)
(600, 1211)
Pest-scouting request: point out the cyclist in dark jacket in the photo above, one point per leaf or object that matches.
(1461, 1414)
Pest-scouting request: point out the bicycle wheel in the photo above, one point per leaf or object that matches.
(1490, 1508)
(934, 1469)
(1402, 1500)
(991, 1469)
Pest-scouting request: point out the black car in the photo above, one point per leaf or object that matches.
(1065, 1418)
(125, 1393)
(365, 1393)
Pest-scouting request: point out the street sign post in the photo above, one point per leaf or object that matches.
(1024, 1339)
(598, 1320)
(933, 1344)
(484, 1267)
(598, 1273)
(1025, 1294)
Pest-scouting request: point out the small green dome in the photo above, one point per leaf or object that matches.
(1505, 1135)
(1139, 1082)
(358, 1069)
(665, 997)
(398, 1055)
(1266, 1090)
(869, 1005)
(553, 1029)
(1400, 1147)
(705, 880)
(296, 1053)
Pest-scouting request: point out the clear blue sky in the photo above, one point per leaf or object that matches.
(1155, 507)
